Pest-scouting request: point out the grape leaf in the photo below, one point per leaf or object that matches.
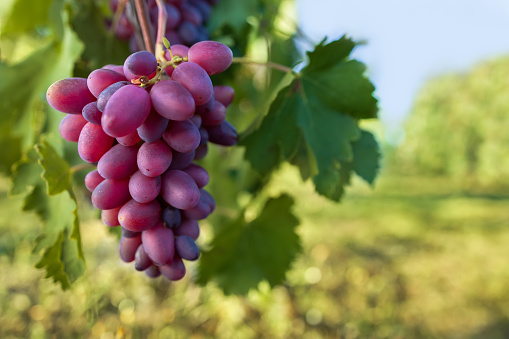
(17, 19)
(366, 157)
(56, 171)
(232, 13)
(244, 254)
(315, 118)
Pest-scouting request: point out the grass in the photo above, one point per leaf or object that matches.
(411, 258)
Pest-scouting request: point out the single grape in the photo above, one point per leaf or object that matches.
(179, 189)
(200, 211)
(186, 248)
(92, 179)
(125, 111)
(91, 113)
(171, 217)
(153, 127)
(182, 136)
(188, 227)
(140, 64)
(144, 189)
(188, 33)
(152, 272)
(194, 78)
(71, 126)
(99, 79)
(129, 140)
(206, 107)
(154, 158)
(141, 259)
(93, 143)
(69, 95)
(224, 94)
(215, 116)
(128, 247)
(214, 57)
(198, 173)
(159, 243)
(172, 100)
(174, 270)
(196, 120)
(181, 160)
(201, 151)
(223, 134)
(138, 217)
(106, 94)
(110, 194)
(191, 14)
(110, 217)
(118, 163)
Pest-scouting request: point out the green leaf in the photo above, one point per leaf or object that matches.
(18, 19)
(366, 160)
(244, 254)
(56, 171)
(101, 48)
(313, 121)
(232, 13)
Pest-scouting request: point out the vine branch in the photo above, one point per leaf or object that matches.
(144, 21)
(282, 68)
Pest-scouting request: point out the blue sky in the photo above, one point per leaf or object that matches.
(409, 41)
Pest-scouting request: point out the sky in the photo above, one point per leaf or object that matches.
(409, 42)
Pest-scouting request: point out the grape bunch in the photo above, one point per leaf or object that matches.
(144, 123)
(185, 23)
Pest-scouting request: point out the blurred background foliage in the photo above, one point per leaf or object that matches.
(423, 254)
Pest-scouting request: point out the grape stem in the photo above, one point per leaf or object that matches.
(242, 60)
(80, 167)
(161, 28)
(143, 18)
(117, 16)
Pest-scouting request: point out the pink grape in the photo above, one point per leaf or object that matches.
(215, 116)
(200, 152)
(194, 78)
(125, 111)
(71, 126)
(69, 95)
(171, 217)
(172, 100)
(110, 194)
(153, 127)
(93, 143)
(181, 160)
(128, 247)
(214, 57)
(159, 243)
(223, 134)
(188, 227)
(179, 189)
(141, 259)
(138, 217)
(91, 113)
(198, 173)
(152, 272)
(92, 179)
(110, 217)
(140, 64)
(118, 163)
(99, 79)
(182, 136)
(224, 94)
(106, 94)
(144, 189)
(154, 158)
(116, 68)
(200, 211)
(186, 248)
(174, 270)
(129, 140)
